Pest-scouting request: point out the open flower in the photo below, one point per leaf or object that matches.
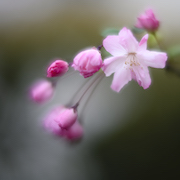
(87, 62)
(130, 59)
(147, 21)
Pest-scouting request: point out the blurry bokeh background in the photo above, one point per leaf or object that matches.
(133, 134)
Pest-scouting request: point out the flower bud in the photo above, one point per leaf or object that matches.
(74, 132)
(50, 123)
(67, 118)
(62, 122)
(87, 62)
(57, 68)
(41, 91)
(147, 21)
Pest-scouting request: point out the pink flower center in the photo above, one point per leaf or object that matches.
(131, 60)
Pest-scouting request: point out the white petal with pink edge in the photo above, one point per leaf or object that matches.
(127, 40)
(141, 75)
(113, 46)
(152, 58)
(112, 64)
(143, 43)
(121, 77)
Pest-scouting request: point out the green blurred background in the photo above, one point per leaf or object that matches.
(133, 134)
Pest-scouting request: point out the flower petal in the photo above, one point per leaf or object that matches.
(49, 122)
(113, 46)
(127, 40)
(143, 43)
(121, 77)
(141, 75)
(112, 64)
(152, 58)
(75, 132)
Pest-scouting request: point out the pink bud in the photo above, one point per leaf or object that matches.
(74, 132)
(67, 118)
(50, 123)
(87, 62)
(147, 21)
(57, 68)
(41, 91)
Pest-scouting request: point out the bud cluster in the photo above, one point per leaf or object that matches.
(62, 121)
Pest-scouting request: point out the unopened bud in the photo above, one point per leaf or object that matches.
(63, 122)
(87, 62)
(67, 118)
(74, 132)
(41, 91)
(147, 21)
(50, 123)
(57, 68)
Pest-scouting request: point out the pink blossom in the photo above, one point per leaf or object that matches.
(87, 62)
(41, 91)
(74, 132)
(67, 118)
(147, 21)
(130, 59)
(62, 121)
(50, 123)
(57, 68)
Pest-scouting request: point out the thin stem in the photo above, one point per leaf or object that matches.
(88, 89)
(78, 91)
(90, 85)
(55, 80)
(156, 38)
(98, 80)
(69, 74)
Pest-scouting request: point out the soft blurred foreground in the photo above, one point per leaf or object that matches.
(133, 134)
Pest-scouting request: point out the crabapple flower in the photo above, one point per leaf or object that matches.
(67, 118)
(130, 59)
(41, 91)
(87, 62)
(147, 21)
(57, 68)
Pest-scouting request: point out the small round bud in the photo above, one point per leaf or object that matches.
(75, 132)
(41, 91)
(50, 124)
(62, 122)
(57, 68)
(147, 21)
(87, 62)
(67, 118)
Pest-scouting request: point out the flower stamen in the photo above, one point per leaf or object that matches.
(131, 59)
